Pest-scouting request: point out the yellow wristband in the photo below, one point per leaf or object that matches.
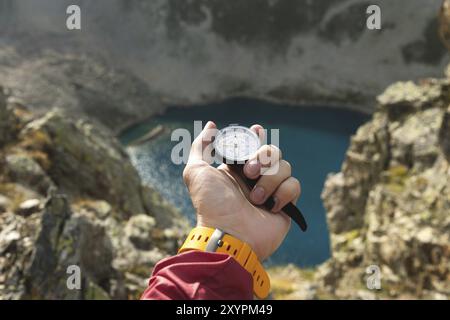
(215, 240)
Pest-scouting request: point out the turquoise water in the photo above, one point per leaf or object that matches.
(313, 140)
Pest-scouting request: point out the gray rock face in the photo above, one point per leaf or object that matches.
(69, 197)
(390, 204)
(75, 144)
(187, 52)
(81, 84)
(24, 169)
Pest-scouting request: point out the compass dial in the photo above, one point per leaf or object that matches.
(236, 144)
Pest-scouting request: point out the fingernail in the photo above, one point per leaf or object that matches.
(257, 195)
(252, 168)
(275, 205)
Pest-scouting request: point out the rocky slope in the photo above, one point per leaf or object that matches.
(191, 52)
(81, 84)
(390, 204)
(70, 196)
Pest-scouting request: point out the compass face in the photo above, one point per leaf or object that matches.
(236, 144)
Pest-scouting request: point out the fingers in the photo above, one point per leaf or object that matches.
(201, 143)
(267, 157)
(259, 130)
(267, 184)
(200, 148)
(288, 191)
(273, 174)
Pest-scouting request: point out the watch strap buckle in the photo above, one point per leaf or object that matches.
(215, 241)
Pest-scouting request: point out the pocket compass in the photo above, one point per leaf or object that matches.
(234, 145)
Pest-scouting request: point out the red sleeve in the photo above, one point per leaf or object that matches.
(199, 275)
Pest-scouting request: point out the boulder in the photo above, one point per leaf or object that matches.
(22, 168)
(139, 230)
(86, 161)
(29, 207)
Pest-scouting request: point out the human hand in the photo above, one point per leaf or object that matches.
(223, 200)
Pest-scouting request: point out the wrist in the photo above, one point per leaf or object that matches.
(213, 239)
(232, 231)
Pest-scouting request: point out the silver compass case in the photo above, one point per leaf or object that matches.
(235, 144)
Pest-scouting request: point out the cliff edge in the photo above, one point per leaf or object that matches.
(388, 208)
(70, 197)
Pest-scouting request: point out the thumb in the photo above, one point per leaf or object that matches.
(199, 151)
